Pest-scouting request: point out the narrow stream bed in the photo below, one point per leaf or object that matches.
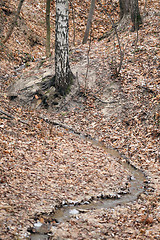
(67, 211)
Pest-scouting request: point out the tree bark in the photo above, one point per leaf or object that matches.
(89, 21)
(73, 17)
(124, 7)
(48, 28)
(135, 15)
(131, 7)
(63, 74)
(14, 21)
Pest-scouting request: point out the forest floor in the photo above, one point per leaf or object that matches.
(45, 166)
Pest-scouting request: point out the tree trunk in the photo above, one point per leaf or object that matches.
(14, 21)
(1, 18)
(48, 27)
(63, 74)
(131, 7)
(135, 15)
(89, 21)
(73, 17)
(124, 7)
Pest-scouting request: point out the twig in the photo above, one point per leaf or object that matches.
(7, 114)
(59, 124)
(54, 123)
(11, 116)
(4, 118)
(147, 89)
(14, 21)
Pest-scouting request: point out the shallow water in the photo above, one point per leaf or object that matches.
(136, 188)
(37, 236)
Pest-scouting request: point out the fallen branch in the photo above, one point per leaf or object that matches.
(7, 114)
(11, 116)
(147, 89)
(59, 124)
(72, 130)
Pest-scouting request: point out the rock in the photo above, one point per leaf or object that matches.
(73, 211)
(29, 85)
(40, 83)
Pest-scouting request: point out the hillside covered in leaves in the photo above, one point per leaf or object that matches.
(44, 166)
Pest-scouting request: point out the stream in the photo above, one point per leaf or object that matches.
(66, 211)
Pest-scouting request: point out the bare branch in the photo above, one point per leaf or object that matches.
(89, 21)
(116, 33)
(11, 116)
(14, 21)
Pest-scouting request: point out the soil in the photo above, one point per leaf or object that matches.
(44, 166)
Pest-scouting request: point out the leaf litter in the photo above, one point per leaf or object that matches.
(42, 167)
